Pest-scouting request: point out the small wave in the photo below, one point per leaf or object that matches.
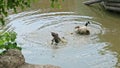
(33, 33)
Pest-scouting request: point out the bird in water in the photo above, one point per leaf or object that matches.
(83, 30)
(56, 39)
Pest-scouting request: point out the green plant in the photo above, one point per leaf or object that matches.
(55, 3)
(7, 41)
(6, 5)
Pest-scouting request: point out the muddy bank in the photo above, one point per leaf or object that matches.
(14, 59)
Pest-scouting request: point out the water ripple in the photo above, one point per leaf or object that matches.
(34, 28)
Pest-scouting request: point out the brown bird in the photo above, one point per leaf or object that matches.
(56, 38)
(83, 30)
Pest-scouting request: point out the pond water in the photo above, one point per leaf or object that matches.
(100, 49)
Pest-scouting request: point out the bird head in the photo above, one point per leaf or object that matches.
(54, 34)
(87, 23)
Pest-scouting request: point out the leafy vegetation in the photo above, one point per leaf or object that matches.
(6, 5)
(7, 41)
(55, 3)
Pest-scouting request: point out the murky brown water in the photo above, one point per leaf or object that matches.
(98, 50)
